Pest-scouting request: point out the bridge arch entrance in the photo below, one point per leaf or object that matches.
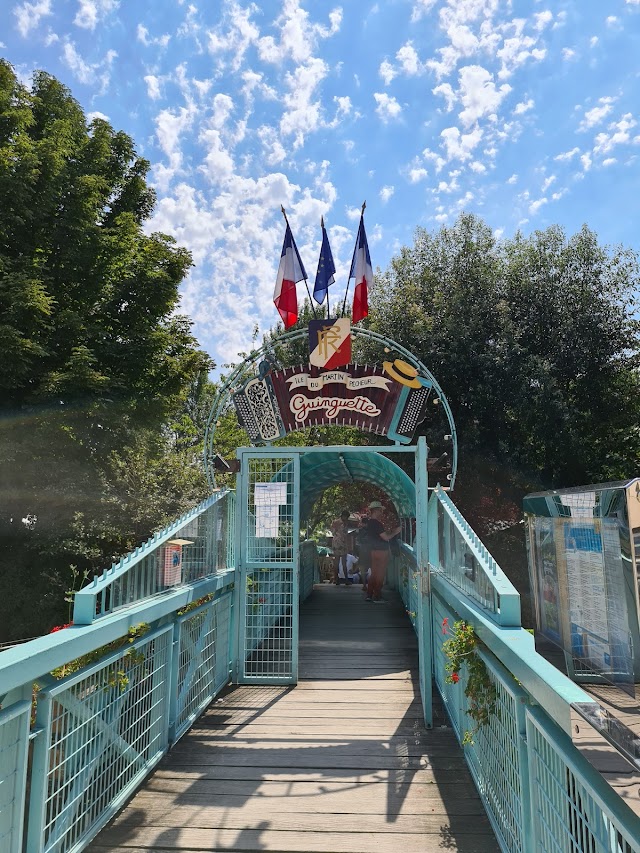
(277, 484)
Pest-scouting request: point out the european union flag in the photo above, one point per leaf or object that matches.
(326, 269)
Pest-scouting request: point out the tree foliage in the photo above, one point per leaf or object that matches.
(533, 340)
(102, 384)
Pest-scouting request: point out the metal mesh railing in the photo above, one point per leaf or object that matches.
(465, 562)
(268, 623)
(408, 580)
(204, 639)
(569, 814)
(103, 729)
(14, 742)
(496, 756)
(197, 545)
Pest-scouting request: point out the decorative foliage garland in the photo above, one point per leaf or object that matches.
(460, 650)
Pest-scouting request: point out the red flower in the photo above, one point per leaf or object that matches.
(60, 627)
(262, 600)
(445, 623)
(455, 677)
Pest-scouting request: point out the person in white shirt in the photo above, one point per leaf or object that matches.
(346, 568)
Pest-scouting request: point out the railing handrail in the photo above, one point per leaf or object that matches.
(85, 598)
(507, 596)
(27, 662)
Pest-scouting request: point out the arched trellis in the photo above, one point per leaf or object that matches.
(243, 371)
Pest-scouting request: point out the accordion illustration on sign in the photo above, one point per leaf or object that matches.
(410, 411)
(257, 410)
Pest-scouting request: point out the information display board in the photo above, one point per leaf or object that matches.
(584, 581)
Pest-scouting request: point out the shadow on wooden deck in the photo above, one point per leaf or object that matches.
(341, 762)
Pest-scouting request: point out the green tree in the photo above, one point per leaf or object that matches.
(102, 383)
(533, 340)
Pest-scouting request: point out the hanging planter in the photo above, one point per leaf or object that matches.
(460, 650)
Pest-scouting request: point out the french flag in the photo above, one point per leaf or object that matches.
(290, 272)
(362, 271)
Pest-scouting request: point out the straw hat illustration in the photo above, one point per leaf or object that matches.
(402, 372)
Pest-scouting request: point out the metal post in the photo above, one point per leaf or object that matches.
(424, 592)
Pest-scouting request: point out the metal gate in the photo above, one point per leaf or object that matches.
(267, 530)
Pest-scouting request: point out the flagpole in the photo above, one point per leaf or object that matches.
(284, 213)
(344, 304)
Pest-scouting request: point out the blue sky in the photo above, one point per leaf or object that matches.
(522, 111)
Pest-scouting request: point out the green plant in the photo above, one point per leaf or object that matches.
(134, 633)
(460, 650)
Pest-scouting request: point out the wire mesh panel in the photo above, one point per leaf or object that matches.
(14, 744)
(497, 757)
(195, 546)
(268, 586)
(459, 564)
(103, 729)
(270, 507)
(204, 639)
(443, 617)
(570, 813)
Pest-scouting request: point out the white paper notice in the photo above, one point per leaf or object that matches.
(267, 499)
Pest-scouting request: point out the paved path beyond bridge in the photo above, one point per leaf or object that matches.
(339, 763)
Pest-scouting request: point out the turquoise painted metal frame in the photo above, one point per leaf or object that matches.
(85, 609)
(247, 565)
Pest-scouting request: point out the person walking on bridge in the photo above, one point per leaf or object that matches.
(378, 538)
(340, 545)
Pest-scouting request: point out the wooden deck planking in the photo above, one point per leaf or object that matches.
(340, 763)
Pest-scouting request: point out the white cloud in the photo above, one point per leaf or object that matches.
(274, 151)
(408, 59)
(421, 8)
(89, 73)
(619, 135)
(535, 206)
(298, 36)
(459, 146)
(386, 193)
(303, 114)
(586, 161)
(97, 114)
(417, 174)
(478, 94)
(542, 19)
(567, 155)
(593, 41)
(143, 36)
(568, 53)
(91, 12)
(518, 49)
(447, 93)
(387, 72)
(28, 15)
(611, 21)
(597, 114)
(547, 182)
(609, 161)
(153, 87)
(513, 179)
(523, 107)
(388, 108)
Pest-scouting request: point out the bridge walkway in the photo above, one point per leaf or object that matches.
(341, 762)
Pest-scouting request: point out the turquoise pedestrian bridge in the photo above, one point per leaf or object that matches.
(212, 694)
